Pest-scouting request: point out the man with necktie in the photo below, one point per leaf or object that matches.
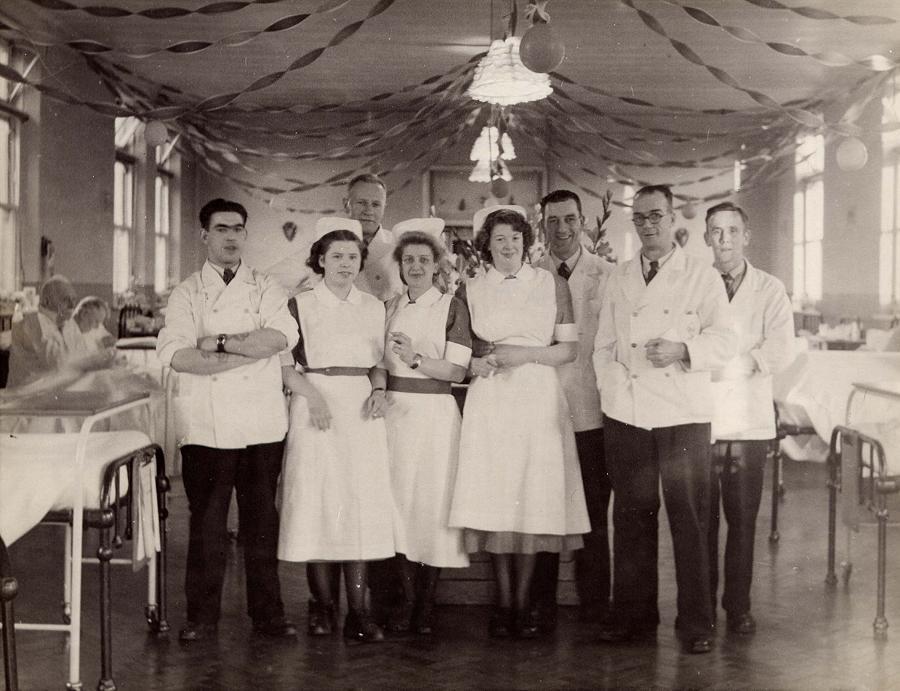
(586, 274)
(744, 420)
(664, 327)
(225, 327)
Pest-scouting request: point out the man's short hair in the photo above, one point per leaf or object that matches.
(558, 196)
(217, 206)
(728, 206)
(664, 190)
(370, 178)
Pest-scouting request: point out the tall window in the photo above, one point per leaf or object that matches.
(166, 266)
(809, 217)
(10, 117)
(123, 204)
(889, 240)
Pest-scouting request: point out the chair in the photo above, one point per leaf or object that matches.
(857, 468)
(8, 589)
(117, 497)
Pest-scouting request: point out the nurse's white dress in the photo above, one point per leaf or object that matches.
(423, 429)
(518, 488)
(335, 487)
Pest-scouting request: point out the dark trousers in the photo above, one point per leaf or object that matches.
(210, 475)
(637, 459)
(739, 481)
(592, 577)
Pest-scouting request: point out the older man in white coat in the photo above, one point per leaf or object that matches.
(744, 420)
(586, 275)
(664, 327)
(225, 327)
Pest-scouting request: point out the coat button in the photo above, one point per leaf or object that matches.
(214, 378)
(634, 314)
(634, 376)
(665, 311)
(634, 345)
(215, 309)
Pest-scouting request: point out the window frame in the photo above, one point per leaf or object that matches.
(809, 218)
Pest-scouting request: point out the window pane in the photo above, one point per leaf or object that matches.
(160, 271)
(885, 268)
(799, 289)
(815, 210)
(813, 270)
(121, 260)
(888, 194)
(8, 273)
(118, 197)
(896, 267)
(798, 216)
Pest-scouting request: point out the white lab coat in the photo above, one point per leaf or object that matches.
(742, 390)
(586, 285)
(242, 406)
(685, 302)
(381, 275)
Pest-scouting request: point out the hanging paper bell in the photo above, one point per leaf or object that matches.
(155, 133)
(541, 50)
(499, 188)
(689, 211)
(851, 154)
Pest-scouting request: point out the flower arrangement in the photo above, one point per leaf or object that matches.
(599, 243)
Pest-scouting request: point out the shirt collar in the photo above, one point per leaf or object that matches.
(426, 299)
(323, 292)
(571, 262)
(525, 273)
(208, 267)
(738, 271)
(645, 263)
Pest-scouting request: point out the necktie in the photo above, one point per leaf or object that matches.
(654, 269)
(564, 271)
(729, 285)
(227, 275)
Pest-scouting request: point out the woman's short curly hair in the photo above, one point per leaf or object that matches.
(503, 217)
(438, 253)
(320, 248)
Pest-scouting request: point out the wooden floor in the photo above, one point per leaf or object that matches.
(809, 637)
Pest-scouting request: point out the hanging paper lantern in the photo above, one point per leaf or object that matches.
(689, 211)
(499, 188)
(155, 133)
(541, 50)
(851, 154)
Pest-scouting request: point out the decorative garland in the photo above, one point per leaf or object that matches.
(113, 12)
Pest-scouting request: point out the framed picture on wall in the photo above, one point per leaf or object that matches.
(447, 190)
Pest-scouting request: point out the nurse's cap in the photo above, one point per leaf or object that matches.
(430, 226)
(481, 214)
(327, 224)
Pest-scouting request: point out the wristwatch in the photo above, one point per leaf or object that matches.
(220, 343)
(417, 360)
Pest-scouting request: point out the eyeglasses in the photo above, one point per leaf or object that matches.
(654, 217)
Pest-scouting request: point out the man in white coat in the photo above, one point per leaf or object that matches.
(744, 420)
(366, 202)
(664, 327)
(586, 274)
(225, 327)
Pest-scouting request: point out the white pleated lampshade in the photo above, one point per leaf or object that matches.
(501, 78)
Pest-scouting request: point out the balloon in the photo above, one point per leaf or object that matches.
(541, 50)
(155, 133)
(689, 210)
(499, 188)
(851, 154)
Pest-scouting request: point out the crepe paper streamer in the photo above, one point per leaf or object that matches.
(113, 12)
(878, 63)
(818, 13)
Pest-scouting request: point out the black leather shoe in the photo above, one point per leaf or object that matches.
(276, 627)
(618, 632)
(525, 625)
(743, 624)
(359, 627)
(321, 619)
(502, 623)
(697, 645)
(195, 631)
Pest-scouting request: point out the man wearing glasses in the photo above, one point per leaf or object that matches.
(664, 326)
(225, 327)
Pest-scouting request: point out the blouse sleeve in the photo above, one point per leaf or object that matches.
(565, 329)
(459, 336)
(479, 346)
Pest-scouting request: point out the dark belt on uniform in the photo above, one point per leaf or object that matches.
(416, 385)
(339, 371)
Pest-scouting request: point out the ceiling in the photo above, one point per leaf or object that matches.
(720, 70)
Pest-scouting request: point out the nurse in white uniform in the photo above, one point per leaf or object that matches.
(336, 497)
(428, 346)
(518, 488)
